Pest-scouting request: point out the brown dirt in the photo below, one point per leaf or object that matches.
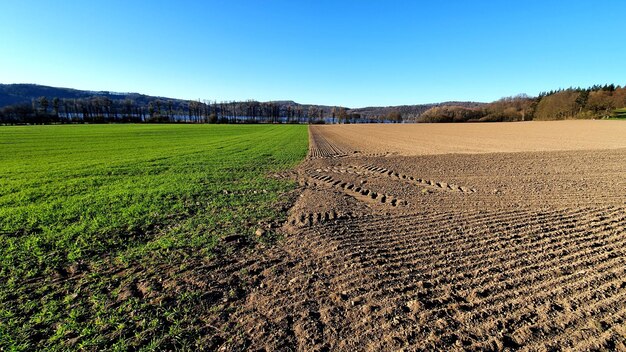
(395, 245)
(443, 138)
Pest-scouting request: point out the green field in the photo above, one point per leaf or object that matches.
(76, 201)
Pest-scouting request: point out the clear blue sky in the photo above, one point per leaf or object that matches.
(350, 53)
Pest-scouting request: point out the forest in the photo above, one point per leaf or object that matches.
(599, 101)
(60, 105)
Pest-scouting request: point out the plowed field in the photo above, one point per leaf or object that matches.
(448, 237)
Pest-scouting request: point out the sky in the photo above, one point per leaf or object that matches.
(348, 53)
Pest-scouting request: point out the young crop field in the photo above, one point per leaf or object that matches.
(100, 223)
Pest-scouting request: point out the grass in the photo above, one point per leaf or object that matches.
(619, 114)
(88, 211)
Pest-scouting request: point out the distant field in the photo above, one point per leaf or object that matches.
(444, 138)
(72, 196)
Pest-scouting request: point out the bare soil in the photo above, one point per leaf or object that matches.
(466, 138)
(445, 237)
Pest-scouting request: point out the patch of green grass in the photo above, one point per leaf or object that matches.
(80, 195)
(618, 114)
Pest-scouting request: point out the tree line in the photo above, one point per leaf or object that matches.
(100, 109)
(593, 102)
(598, 101)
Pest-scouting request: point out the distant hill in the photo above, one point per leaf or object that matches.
(31, 103)
(409, 111)
(12, 94)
